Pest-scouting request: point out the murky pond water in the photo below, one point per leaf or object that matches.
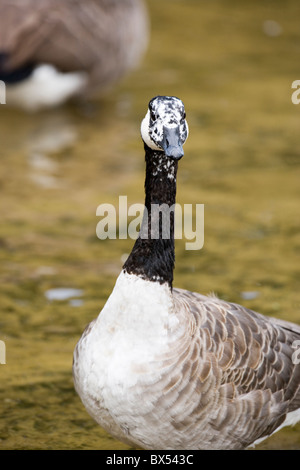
(233, 67)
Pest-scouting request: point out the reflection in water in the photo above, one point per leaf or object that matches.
(52, 135)
(62, 293)
(272, 28)
(250, 295)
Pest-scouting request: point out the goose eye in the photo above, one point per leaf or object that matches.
(183, 116)
(152, 115)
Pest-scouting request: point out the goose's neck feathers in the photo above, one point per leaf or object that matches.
(152, 256)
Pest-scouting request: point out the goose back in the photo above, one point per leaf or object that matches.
(105, 38)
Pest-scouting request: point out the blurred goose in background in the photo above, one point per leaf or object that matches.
(53, 50)
(166, 368)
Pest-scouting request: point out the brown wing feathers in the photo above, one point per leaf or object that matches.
(242, 367)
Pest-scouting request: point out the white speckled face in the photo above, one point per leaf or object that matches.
(165, 114)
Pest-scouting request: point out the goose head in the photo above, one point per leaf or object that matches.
(164, 127)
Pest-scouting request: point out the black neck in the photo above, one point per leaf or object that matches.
(13, 76)
(153, 255)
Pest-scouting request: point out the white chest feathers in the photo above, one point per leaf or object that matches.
(121, 353)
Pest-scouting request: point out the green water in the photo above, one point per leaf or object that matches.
(234, 73)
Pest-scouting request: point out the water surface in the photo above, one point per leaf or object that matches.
(233, 65)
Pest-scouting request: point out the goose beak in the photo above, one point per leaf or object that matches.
(171, 143)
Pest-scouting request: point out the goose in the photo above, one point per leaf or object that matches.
(53, 50)
(162, 368)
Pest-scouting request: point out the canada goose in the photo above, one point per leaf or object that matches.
(51, 50)
(166, 368)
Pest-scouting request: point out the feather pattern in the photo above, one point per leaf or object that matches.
(104, 38)
(166, 368)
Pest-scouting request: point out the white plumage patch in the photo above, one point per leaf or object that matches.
(45, 88)
(117, 358)
(145, 126)
(163, 114)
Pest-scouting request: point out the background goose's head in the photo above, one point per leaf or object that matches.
(164, 127)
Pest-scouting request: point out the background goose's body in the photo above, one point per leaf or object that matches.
(86, 47)
(164, 368)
